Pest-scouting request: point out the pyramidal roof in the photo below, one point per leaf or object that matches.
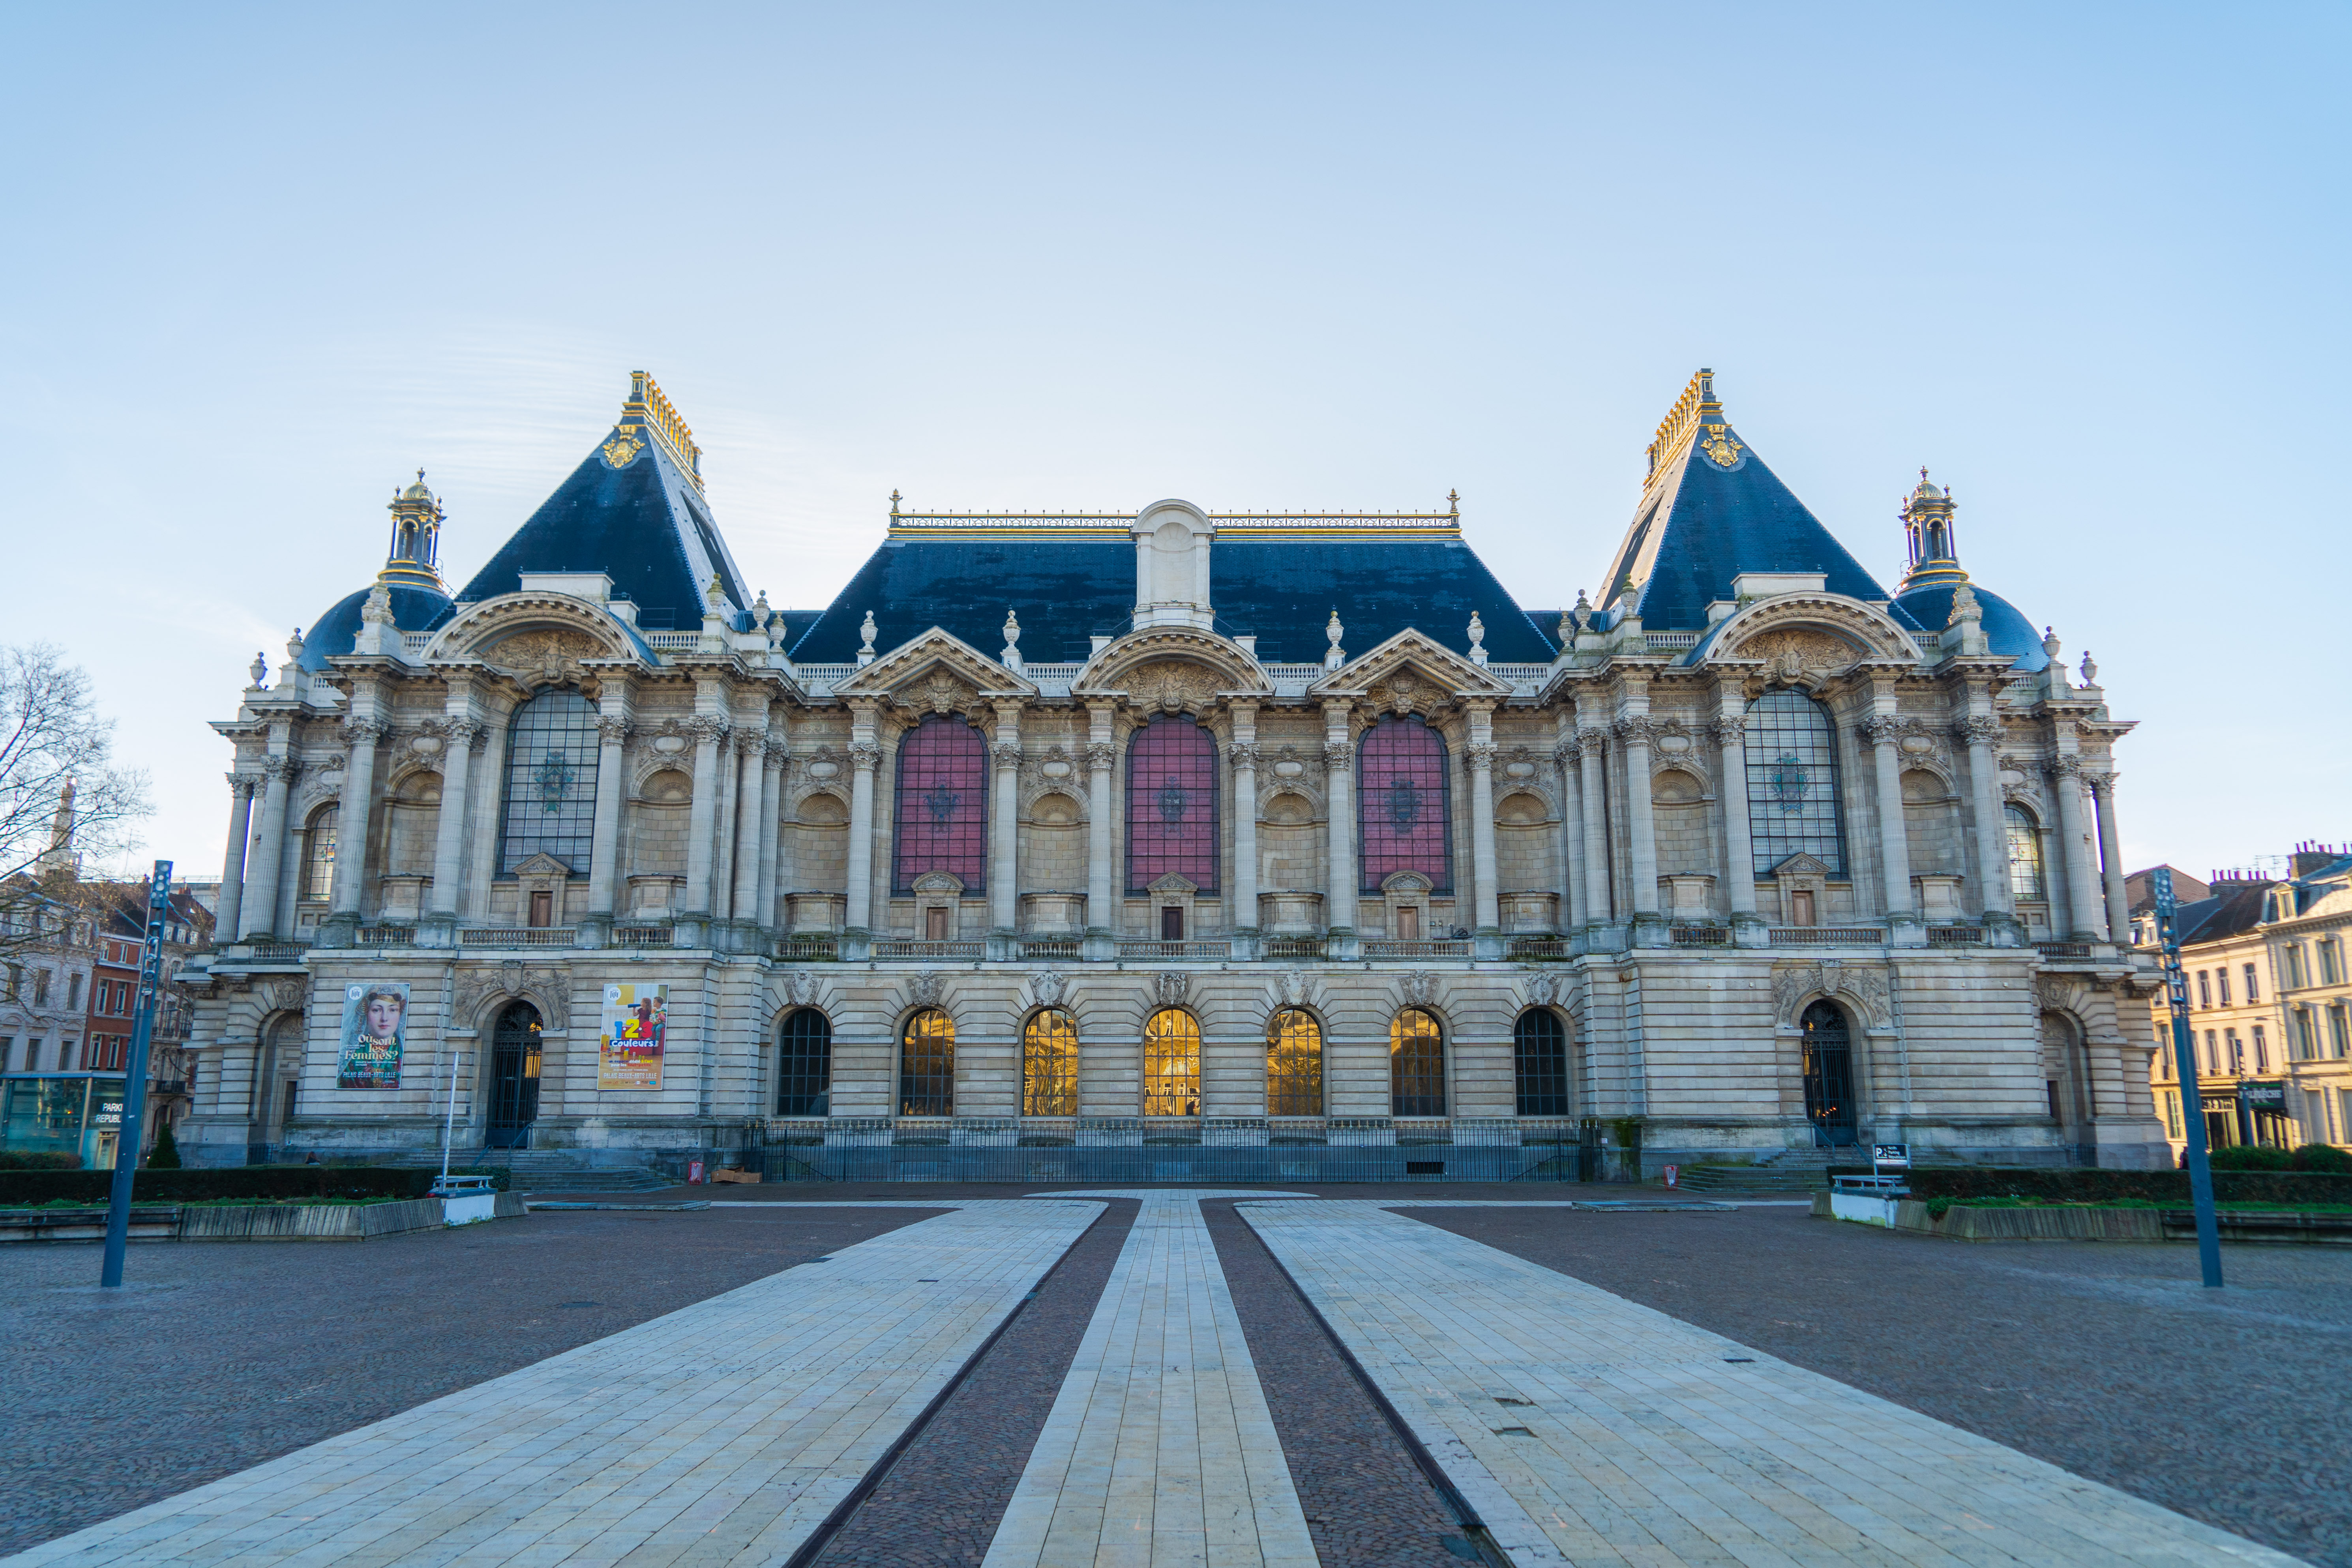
(1710, 510)
(633, 510)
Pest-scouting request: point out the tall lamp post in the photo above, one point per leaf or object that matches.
(2192, 1108)
(130, 1143)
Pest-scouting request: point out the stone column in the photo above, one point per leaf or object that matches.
(1980, 732)
(1894, 846)
(1102, 916)
(1005, 823)
(710, 732)
(1339, 777)
(240, 828)
(751, 755)
(2111, 859)
(732, 760)
(362, 731)
(457, 738)
(1591, 787)
(2082, 912)
(1243, 753)
(775, 758)
(865, 756)
(277, 772)
(612, 788)
(483, 808)
(1487, 902)
(1731, 783)
(1567, 756)
(1634, 729)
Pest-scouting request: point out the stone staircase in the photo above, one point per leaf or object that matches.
(1792, 1170)
(548, 1171)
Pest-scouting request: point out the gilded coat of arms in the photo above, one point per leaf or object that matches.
(623, 449)
(1720, 446)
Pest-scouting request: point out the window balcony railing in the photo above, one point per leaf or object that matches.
(904, 947)
(518, 936)
(1290, 947)
(2062, 949)
(1050, 947)
(1538, 947)
(1827, 936)
(809, 947)
(1701, 936)
(1437, 947)
(643, 936)
(279, 952)
(1128, 949)
(386, 936)
(1956, 936)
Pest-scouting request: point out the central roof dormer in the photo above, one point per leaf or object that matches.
(1171, 565)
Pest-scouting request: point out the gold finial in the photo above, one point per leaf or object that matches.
(894, 501)
(1453, 503)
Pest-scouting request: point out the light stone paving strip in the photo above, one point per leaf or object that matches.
(1641, 1443)
(722, 1433)
(1159, 1450)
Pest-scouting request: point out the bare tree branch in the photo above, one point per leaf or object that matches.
(51, 736)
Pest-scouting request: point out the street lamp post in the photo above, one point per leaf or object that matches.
(130, 1139)
(2192, 1108)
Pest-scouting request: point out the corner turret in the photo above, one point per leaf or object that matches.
(414, 559)
(1928, 530)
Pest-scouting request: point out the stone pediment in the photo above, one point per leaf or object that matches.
(538, 639)
(539, 865)
(935, 673)
(1176, 883)
(1801, 865)
(1808, 639)
(1169, 669)
(1411, 673)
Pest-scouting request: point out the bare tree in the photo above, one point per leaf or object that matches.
(61, 797)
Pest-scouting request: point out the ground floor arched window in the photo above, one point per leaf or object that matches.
(1049, 1065)
(1539, 1056)
(1828, 1050)
(805, 1064)
(927, 1065)
(1171, 1064)
(1416, 1065)
(1294, 1064)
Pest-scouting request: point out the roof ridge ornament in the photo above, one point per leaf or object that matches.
(1682, 422)
(648, 404)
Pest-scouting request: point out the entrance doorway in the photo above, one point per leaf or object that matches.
(1828, 1076)
(270, 1097)
(514, 1078)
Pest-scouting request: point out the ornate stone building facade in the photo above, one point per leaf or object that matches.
(1259, 844)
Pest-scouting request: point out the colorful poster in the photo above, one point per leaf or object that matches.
(629, 1055)
(375, 1022)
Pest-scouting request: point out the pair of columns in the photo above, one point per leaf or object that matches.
(1583, 755)
(734, 835)
(2096, 906)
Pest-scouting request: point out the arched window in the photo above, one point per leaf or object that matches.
(1049, 1065)
(551, 797)
(927, 1065)
(1404, 815)
(1540, 1052)
(2025, 856)
(1793, 781)
(1171, 803)
(1416, 1065)
(318, 854)
(1828, 1069)
(1171, 1064)
(805, 1064)
(942, 813)
(1294, 1064)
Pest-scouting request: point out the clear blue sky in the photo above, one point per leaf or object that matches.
(2085, 262)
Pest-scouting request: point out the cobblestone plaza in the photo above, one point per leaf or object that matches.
(1160, 1376)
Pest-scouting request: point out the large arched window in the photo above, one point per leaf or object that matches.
(1793, 781)
(1171, 1064)
(1294, 1064)
(1540, 1055)
(318, 854)
(805, 1064)
(927, 1065)
(942, 815)
(1172, 805)
(550, 794)
(1049, 1065)
(1416, 1065)
(2025, 856)
(1404, 818)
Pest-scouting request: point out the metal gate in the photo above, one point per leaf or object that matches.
(514, 1078)
(1828, 1076)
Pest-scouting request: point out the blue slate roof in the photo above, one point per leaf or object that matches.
(642, 523)
(2006, 628)
(1067, 591)
(1700, 524)
(413, 609)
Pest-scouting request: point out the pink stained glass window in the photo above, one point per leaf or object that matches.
(1172, 805)
(943, 817)
(1403, 805)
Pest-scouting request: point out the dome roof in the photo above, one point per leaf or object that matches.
(2006, 629)
(413, 609)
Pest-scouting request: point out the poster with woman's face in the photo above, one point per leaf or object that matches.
(375, 1024)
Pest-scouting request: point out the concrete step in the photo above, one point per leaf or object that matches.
(584, 1181)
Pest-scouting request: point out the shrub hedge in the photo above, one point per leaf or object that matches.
(37, 1160)
(270, 1181)
(2105, 1186)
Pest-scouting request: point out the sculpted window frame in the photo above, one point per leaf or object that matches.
(1404, 791)
(1795, 799)
(1172, 824)
(939, 817)
(548, 806)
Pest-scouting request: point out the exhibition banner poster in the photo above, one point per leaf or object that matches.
(629, 1055)
(375, 1022)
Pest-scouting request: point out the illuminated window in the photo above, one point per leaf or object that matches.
(805, 1064)
(1171, 803)
(927, 1065)
(943, 817)
(1416, 1065)
(318, 854)
(1540, 1050)
(1049, 1065)
(1403, 804)
(1171, 1064)
(2025, 856)
(551, 793)
(1294, 1064)
(1793, 781)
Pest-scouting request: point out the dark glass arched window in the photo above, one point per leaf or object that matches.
(1403, 811)
(1171, 803)
(551, 793)
(805, 1064)
(927, 1065)
(1539, 1051)
(1416, 1065)
(1828, 1069)
(1793, 781)
(2024, 854)
(942, 815)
